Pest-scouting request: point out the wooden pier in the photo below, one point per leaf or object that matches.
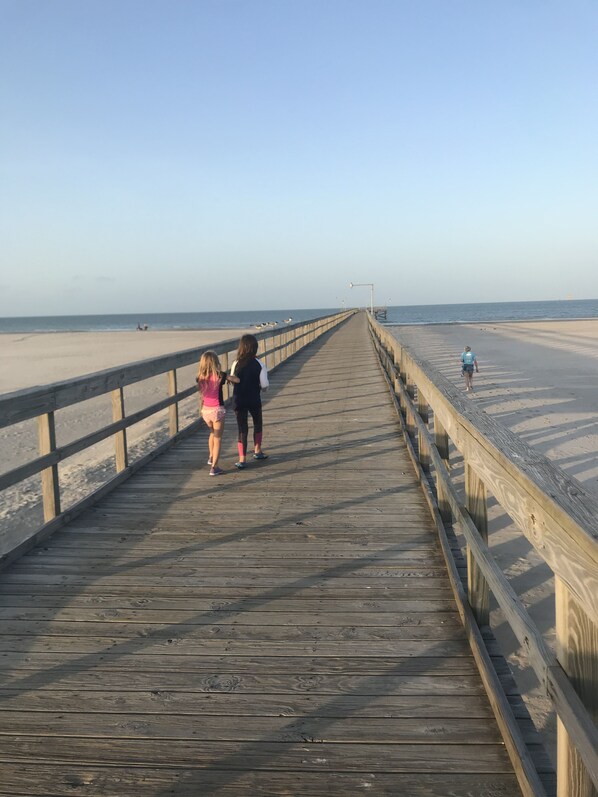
(290, 629)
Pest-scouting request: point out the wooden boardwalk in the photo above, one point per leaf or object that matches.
(286, 630)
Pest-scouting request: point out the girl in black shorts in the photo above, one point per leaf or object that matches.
(247, 400)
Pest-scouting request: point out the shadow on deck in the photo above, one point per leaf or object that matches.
(286, 630)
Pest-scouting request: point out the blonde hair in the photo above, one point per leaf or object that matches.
(209, 368)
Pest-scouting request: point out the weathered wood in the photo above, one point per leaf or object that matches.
(25, 404)
(35, 605)
(50, 482)
(173, 410)
(372, 757)
(577, 651)
(252, 728)
(425, 676)
(477, 586)
(225, 365)
(120, 438)
(32, 402)
(569, 707)
(527, 775)
(107, 781)
(232, 704)
(409, 408)
(65, 517)
(441, 441)
(224, 628)
(110, 780)
(556, 514)
(422, 440)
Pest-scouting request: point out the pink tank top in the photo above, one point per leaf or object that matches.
(211, 390)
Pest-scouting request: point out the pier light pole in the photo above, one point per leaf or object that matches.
(369, 285)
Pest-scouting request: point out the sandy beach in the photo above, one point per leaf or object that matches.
(29, 359)
(539, 379)
(39, 359)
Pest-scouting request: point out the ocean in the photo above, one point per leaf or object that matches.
(243, 319)
(493, 311)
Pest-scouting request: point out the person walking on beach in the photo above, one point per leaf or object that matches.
(210, 381)
(252, 378)
(468, 363)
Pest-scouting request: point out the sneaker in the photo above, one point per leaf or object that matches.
(240, 465)
(216, 471)
(210, 461)
(261, 455)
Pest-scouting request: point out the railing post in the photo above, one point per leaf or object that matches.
(173, 410)
(50, 483)
(408, 412)
(263, 347)
(403, 378)
(224, 365)
(396, 358)
(577, 652)
(441, 441)
(477, 586)
(422, 444)
(120, 438)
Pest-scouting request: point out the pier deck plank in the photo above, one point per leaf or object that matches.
(285, 630)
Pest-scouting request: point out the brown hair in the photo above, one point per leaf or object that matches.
(247, 350)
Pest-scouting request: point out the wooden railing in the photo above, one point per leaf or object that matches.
(558, 517)
(41, 403)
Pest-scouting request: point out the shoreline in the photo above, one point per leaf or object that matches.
(120, 331)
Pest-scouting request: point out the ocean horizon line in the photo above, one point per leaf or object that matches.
(401, 315)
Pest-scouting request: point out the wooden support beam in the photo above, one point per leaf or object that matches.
(120, 438)
(422, 439)
(173, 410)
(577, 652)
(475, 501)
(50, 482)
(441, 440)
(224, 363)
(410, 385)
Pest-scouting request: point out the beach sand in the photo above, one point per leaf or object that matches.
(539, 379)
(40, 359)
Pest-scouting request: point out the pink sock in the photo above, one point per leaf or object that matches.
(241, 451)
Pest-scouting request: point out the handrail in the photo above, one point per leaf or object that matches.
(555, 513)
(31, 402)
(42, 402)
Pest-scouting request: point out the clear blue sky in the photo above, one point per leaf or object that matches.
(179, 155)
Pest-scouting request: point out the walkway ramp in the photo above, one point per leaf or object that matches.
(286, 630)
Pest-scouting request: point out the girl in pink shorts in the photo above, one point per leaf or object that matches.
(210, 381)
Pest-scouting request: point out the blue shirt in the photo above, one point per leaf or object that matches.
(468, 357)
